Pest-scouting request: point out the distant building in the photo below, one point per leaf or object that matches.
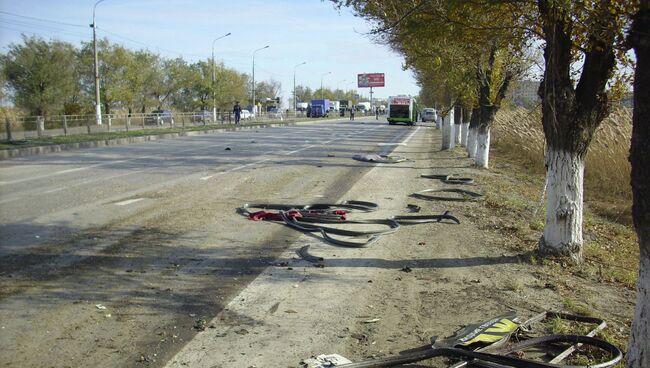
(524, 93)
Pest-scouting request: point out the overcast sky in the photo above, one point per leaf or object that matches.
(296, 30)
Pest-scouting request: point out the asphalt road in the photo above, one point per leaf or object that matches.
(110, 256)
(42, 196)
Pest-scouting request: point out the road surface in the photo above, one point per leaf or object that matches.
(109, 256)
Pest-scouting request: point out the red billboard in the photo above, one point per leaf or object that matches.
(370, 80)
(400, 101)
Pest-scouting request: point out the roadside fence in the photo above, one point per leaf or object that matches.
(26, 127)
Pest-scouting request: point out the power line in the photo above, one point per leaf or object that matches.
(29, 27)
(43, 20)
(147, 45)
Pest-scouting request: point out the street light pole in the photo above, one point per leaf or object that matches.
(337, 88)
(322, 94)
(294, 85)
(254, 105)
(214, 95)
(98, 107)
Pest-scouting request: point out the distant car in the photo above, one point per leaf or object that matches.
(429, 114)
(158, 117)
(203, 116)
(245, 114)
(275, 113)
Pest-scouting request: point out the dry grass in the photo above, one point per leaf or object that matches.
(611, 245)
(519, 135)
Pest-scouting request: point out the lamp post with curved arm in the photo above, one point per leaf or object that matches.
(295, 99)
(214, 97)
(254, 105)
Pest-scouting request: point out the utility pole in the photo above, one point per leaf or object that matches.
(254, 105)
(322, 94)
(337, 88)
(214, 95)
(98, 107)
(294, 85)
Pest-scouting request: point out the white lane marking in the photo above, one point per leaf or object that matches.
(300, 149)
(72, 186)
(129, 201)
(67, 171)
(404, 142)
(410, 136)
(234, 169)
(53, 190)
(286, 153)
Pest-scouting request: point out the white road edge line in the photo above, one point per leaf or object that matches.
(405, 142)
(129, 201)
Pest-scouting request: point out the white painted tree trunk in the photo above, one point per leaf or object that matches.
(563, 228)
(482, 149)
(464, 130)
(448, 131)
(471, 142)
(439, 122)
(639, 354)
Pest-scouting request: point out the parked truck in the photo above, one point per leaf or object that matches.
(335, 106)
(402, 109)
(363, 107)
(302, 106)
(320, 108)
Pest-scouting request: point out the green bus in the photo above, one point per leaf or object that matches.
(402, 109)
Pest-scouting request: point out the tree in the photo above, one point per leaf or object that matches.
(573, 108)
(40, 74)
(231, 87)
(168, 81)
(304, 94)
(639, 352)
(267, 89)
(454, 49)
(140, 76)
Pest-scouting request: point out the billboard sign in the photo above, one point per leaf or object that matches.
(401, 101)
(370, 80)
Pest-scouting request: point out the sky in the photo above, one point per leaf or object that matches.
(296, 31)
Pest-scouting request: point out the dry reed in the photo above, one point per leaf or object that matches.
(519, 135)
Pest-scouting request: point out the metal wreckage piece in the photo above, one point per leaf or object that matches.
(449, 179)
(484, 345)
(310, 217)
(463, 195)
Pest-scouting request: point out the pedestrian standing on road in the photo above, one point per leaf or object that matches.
(352, 113)
(237, 111)
(376, 113)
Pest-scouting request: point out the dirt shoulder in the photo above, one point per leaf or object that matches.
(422, 281)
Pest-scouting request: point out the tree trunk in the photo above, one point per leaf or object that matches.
(448, 130)
(483, 147)
(638, 355)
(473, 132)
(570, 116)
(483, 136)
(8, 129)
(464, 127)
(458, 119)
(563, 229)
(439, 122)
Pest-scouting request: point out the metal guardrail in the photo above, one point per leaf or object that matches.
(57, 125)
